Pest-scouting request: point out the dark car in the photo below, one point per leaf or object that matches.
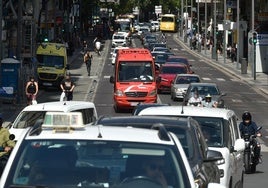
(203, 89)
(201, 159)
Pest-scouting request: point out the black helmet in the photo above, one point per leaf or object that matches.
(246, 116)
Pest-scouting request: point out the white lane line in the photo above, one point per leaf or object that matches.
(220, 79)
(204, 78)
(106, 77)
(236, 100)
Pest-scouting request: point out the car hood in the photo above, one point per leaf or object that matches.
(181, 86)
(136, 86)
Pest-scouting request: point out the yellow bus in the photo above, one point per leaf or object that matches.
(168, 22)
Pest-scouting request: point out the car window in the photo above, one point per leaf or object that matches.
(212, 129)
(28, 118)
(81, 163)
(235, 125)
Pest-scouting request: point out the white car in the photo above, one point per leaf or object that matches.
(30, 114)
(114, 53)
(119, 39)
(222, 126)
(62, 152)
(156, 25)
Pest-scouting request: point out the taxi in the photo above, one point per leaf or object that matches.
(61, 151)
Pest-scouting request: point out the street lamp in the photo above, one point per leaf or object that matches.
(181, 30)
(214, 48)
(237, 29)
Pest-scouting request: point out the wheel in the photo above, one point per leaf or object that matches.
(247, 161)
(253, 168)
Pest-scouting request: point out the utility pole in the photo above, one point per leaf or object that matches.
(182, 18)
(224, 32)
(238, 30)
(206, 18)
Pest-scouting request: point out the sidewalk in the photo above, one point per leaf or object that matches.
(261, 82)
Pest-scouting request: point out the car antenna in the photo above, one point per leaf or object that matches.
(99, 136)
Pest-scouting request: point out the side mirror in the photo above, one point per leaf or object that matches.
(158, 79)
(214, 156)
(112, 79)
(239, 145)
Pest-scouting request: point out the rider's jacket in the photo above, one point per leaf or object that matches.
(251, 129)
(4, 140)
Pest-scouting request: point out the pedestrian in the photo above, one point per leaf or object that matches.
(88, 60)
(31, 90)
(67, 86)
(6, 145)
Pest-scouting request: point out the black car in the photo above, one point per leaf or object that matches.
(201, 159)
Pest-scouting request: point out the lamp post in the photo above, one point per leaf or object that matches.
(206, 18)
(181, 30)
(224, 33)
(186, 22)
(214, 48)
(238, 30)
(198, 42)
(253, 29)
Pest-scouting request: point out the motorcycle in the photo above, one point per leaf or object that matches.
(251, 159)
(4, 158)
(98, 46)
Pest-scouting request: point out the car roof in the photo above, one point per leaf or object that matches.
(143, 121)
(182, 75)
(60, 106)
(203, 84)
(173, 65)
(103, 133)
(188, 111)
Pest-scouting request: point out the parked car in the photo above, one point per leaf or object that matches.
(180, 84)
(167, 73)
(201, 159)
(204, 89)
(66, 153)
(179, 59)
(222, 127)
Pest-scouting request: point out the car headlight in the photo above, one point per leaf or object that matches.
(119, 93)
(153, 93)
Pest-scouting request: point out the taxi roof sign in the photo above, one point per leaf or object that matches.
(63, 120)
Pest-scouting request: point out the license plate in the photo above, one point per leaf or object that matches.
(133, 103)
(47, 84)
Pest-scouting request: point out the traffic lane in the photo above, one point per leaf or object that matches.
(258, 179)
(240, 96)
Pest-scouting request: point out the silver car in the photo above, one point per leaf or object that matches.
(180, 84)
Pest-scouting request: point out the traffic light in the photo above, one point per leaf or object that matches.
(254, 37)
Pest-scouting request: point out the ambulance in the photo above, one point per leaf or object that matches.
(52, 64)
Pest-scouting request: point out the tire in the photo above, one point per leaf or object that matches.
(247, 159)
(253, 168)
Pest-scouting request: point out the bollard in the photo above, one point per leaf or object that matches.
(244, 66)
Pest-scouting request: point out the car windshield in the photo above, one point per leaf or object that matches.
(187, 79)
(50, 61)
(173, 70)
(99, 163)
(178, 60)
(135, 71)
(206, 89)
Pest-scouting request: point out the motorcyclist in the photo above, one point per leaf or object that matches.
(97, 44)
(208, 102)
(247, 126)
(195, 100)
(6, 145)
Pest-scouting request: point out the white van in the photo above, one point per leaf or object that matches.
(28, 116)
(222, 127)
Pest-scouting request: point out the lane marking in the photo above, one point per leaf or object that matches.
(204, 78)
(220, 79)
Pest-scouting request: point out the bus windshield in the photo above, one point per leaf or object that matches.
(135, 71)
